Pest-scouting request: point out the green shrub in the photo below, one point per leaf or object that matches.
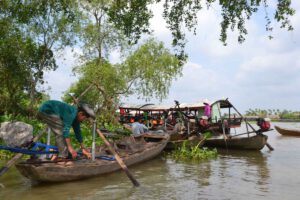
(194, 153)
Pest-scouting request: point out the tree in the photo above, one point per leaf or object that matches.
(48, 25)
(147, 72)
(132, 17)
(52, 27)
(150, 69)
(98, 36)
(17, 52)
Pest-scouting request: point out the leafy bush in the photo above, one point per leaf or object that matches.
(194, 153)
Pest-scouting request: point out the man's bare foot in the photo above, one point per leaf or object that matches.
(54, 158)
(66, 163)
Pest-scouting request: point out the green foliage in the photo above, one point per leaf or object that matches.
(5, 155)
(207, 135)
(151, 69)
(106, 81)
(121, 14)
(147, 72)
(14, 58)
(98, 35)
(132, 17)
(186, 152)
(29, 32)
(87, 134)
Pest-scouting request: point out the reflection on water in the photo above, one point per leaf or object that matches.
(233, 175)
(250, 166)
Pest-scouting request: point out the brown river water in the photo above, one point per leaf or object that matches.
(233, 175)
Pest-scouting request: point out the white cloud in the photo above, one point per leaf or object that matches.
(270, 69)
(62, 78)
(158, 24)
(197, 81)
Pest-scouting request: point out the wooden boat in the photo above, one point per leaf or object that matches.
(286, 131)
(255, 142)
(130, 152)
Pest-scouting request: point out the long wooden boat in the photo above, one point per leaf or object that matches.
(287, 131)
(255, 142)
(130, 152)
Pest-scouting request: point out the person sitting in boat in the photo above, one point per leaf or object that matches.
(60, 117)
(179, 127)
(138, 128)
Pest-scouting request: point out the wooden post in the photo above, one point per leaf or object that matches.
(93, 142)
(48, 140)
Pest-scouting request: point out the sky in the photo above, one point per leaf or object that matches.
(259, 73)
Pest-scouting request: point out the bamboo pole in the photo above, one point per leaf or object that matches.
(119, 160)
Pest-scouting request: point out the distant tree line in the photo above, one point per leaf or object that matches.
(273, 113)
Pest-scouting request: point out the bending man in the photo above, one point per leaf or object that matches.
(60, 117)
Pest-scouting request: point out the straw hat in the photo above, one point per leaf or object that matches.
(205, 101)
(87, 109)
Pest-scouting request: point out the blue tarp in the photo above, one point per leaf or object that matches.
(37, 149)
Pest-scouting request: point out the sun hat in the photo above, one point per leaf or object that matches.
(87, 109)
(205, 101)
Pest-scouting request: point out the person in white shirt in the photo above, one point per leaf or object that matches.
(138, 128)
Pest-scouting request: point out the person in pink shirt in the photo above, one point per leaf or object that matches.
(207, 109)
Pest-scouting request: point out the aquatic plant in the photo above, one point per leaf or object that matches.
(186, 151)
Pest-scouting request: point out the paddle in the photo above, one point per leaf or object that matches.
(12, 161)
(268, 145)
(118, 159)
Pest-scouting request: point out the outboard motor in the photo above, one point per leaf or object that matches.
(264, 123)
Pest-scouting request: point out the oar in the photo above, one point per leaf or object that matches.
(268, 145)
(118, 159)
(12, 161)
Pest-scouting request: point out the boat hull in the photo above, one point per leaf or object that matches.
(256, 142)
(289, 132)
(82, 169)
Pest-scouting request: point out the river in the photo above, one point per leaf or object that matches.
(233, 175)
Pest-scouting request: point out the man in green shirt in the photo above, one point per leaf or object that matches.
(60, 117)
